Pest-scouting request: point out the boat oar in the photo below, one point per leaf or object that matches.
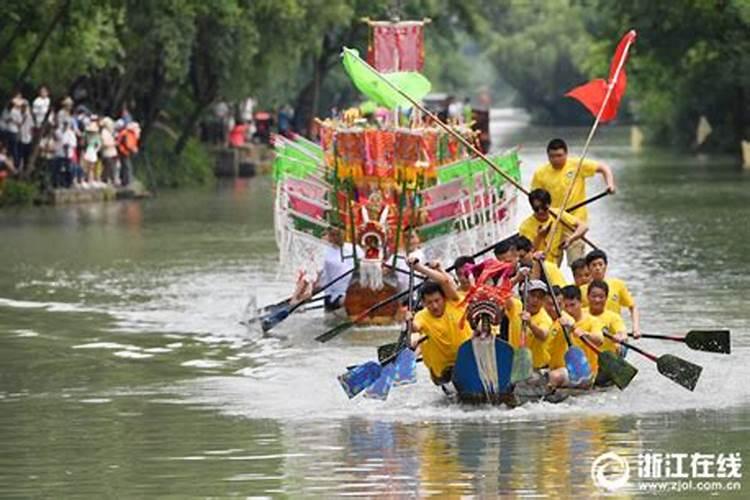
(338, 329)
(359, 377)
(677, 369)
(283, 313)
(578, 366)
(700, 340)
(404, 368)
(620, 371)
(523, 363)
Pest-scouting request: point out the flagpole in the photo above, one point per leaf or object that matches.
(610, 88)
(455, 134)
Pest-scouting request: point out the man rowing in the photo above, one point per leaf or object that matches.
(338, 259)
(526, 257)
(581, 273)
(619, 296)
(537, 227)
(539, 323)
(612, 323)
(578, 324)
(441, 321)
(556, 177)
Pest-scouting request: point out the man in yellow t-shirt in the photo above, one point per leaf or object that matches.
(557, 175)
(539, 323)
(581, 273)
(527, 258)
(440, 321)
(618, 296)
(537, 227)
(578, 324)
(612, 322)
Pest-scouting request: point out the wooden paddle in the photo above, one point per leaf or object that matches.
(283, 313)
(700, 340)
(523, 363)
(338, 329)
(674, 368)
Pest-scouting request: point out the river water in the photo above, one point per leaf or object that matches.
(124, 371)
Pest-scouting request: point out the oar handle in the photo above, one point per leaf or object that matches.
(660, 337)
(324, 287)
(631, 346)
(586, 202)
(554, 301)
(587, 342)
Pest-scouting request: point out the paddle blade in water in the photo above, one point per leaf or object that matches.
(274, 318)
(620, 371)
(523, 365)
(359, 378)
(579, 370)
(683, 372)
(382, 386)
(405, 368)
(709, 340)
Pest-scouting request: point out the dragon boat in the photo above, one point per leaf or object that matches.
(389, 181)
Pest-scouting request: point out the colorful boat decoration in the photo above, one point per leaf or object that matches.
(382, 179)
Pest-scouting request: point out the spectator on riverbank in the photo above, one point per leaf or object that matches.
(40, 107)
(110, 170)
(92, 145)
(127, 146)
(25, 135)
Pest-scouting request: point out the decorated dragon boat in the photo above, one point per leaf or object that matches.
(391, 182)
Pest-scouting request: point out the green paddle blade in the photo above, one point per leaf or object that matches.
(620, 371)
(709, 340)
(683, 372)
(386, 351)
(523, 365)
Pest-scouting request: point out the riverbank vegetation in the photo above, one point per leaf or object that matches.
(168, 62)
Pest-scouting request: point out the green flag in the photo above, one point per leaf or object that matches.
(370, 82)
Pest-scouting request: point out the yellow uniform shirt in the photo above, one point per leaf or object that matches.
(554, 274)
(530, 228)
(445, 336)
(619, 295)
(612, 323)
(539, 348)
(557, 181)
(558, 346)
(514, 326)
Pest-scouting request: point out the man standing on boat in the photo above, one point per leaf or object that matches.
(556, 177)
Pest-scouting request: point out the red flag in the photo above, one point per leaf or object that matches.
(593, 93)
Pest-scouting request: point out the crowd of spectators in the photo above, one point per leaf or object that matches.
(73, 147)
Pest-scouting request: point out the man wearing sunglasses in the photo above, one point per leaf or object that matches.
(537, 227)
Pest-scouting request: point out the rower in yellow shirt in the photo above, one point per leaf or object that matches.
(581, 274)
(539, 324)
(557, 175)
(527, 257)
(537, 227)
(612, 322)
(440, 321)
(578, 324)
(619, 296)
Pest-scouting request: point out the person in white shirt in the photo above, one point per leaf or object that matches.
(40, 107)
(334, 266)
(25, 134)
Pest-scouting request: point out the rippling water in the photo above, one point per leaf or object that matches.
(125, 372)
